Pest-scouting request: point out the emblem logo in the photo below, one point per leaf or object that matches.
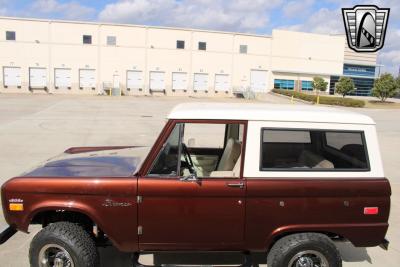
(365, 27)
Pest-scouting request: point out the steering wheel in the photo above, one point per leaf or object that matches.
(188, 158)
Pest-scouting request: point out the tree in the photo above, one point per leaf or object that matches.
(385, 86)
(319, 84)
(344, 86)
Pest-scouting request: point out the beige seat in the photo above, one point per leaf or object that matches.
(230, 155)
(234, 173)
(308, 158)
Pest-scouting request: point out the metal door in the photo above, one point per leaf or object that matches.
(87, 78)
(12, 76)
(179, 80)
(258, 80)
(134, 79)
(157, 79)
(200, 82)
(62, 78)
(37, 77)
(222, 82)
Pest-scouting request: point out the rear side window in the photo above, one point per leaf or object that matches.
(313, 150)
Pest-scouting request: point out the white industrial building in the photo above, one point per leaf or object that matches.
(69, 57)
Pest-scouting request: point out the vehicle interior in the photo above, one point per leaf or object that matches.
(314, 149)
(203, 150)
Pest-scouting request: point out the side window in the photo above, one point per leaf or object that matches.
(166, 163)
(305, 150)
(202, 150)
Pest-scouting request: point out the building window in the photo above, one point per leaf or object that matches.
(111, 40)
(306, 85)
(312, 150)
(284, 84)
(363, 85)
(202, 45)
(243, 49)
(10, 36)
(358, 70)
(180, 44)
(87, 39)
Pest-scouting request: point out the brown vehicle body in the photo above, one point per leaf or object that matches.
(141, 213)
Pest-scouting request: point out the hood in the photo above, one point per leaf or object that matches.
(108, 163)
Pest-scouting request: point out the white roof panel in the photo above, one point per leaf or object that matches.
(266, 112)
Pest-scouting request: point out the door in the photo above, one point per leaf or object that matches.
(178, 212)
(200, 82)
(157, 79)
(62, 78)
(179, 80)
(258, 80)
(134, 79)
(12, 76)
(222, 82)
(87, 79)
(37, 77)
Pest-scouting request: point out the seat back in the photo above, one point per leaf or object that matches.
(230, 156)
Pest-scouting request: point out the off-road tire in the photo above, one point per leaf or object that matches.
(72, 237)
(287, 247)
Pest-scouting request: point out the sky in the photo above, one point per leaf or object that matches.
(250, 16)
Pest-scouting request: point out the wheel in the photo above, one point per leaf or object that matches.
(63, 244)
(304, 250)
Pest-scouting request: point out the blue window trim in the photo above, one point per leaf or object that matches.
(284, 84)
(306, 85)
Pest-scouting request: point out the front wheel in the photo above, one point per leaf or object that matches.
(304, 250)
(63, 244)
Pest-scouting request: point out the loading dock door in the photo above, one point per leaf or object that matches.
(37, 77)
(258, 80)
(62, 78)
(200, 82)
(134, 79)
(222, 82)
(157, 79)
(12, 76)
(87, 79)
(179, 81)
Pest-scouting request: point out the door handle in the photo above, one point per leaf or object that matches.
(240, 185)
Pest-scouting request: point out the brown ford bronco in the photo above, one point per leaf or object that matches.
(283, 180)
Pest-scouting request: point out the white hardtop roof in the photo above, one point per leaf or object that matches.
(266, 112)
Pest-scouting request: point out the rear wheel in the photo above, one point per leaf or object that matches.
(304, 250)
(63, 244)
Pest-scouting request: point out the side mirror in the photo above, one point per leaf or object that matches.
(190, 178)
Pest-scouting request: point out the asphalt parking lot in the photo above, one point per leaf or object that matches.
(34, 128)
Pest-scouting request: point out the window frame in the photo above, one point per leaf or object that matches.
(245, 49)
(111, 37)
(180, 42)
(166, 132)
(363, 139)
(11, 32)
(308, 89)
(205, 46)
(83, 39)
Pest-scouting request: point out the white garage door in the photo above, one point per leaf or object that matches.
(12, 76)
(157, 79)
(62, 78)
(87, 79)
(200, 82)
(134, 79)
(258, 80)
(222, 82)
(37, 77)
(179, 80)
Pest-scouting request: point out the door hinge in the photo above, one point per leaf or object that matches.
(139, 199)
(140, 230)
